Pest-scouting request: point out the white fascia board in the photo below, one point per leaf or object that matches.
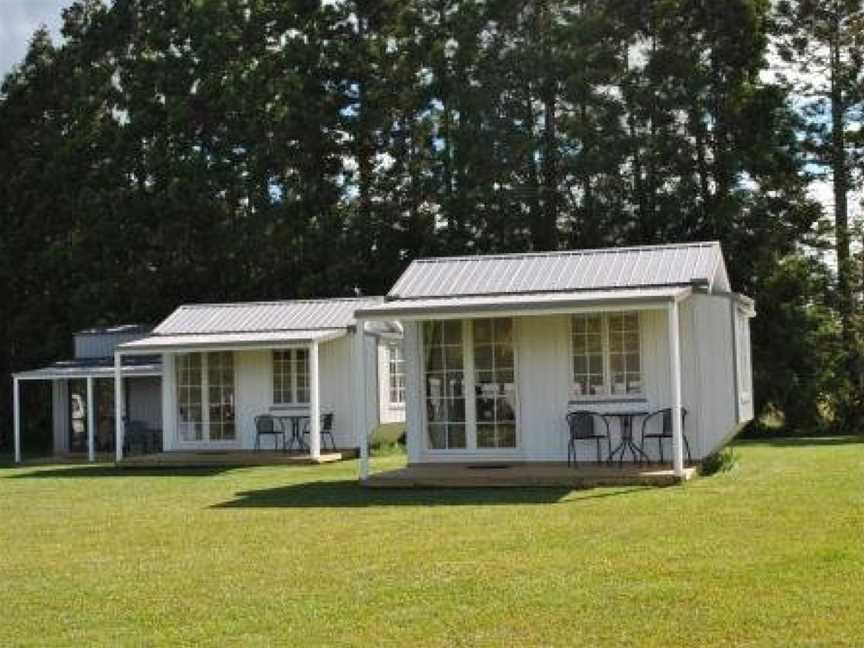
(407, 314)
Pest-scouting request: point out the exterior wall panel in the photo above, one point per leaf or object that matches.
(145, 400)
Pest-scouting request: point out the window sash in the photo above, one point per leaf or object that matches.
(606, 355)
(291, 377)
(396, 364)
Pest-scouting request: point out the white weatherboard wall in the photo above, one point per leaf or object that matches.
(543, 358)
(253, 381)
(101, 345)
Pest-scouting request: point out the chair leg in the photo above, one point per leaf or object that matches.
(660, 448)
(597, 441)
(687, 445)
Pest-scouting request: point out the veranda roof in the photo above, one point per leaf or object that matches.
(213, 341)
(94, 368)
(252, 325)
(531, 303)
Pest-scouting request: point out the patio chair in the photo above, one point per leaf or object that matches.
(267, 425)
(665, 431)
(583, 427)
(326, 430)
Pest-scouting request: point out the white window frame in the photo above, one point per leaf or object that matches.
(205, 406)
(396, 379)
(291, 360)
(745, 366)
(469, 379)
(607, 368)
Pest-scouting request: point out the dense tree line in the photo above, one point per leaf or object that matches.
(175, 150)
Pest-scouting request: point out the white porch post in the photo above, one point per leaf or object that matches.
(118, 406)
(16, 413)
(314, 404)
(675, 367)
(359, 382)
(91, 421)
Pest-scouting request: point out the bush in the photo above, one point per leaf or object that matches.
(722, 461)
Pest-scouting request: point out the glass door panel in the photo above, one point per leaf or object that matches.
(444, 385)
(190, 411)
(220, 380)
(494, 385)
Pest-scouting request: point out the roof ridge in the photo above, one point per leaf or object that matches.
(279, 302)
(610, 250)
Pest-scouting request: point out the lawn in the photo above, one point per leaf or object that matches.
(769, 554)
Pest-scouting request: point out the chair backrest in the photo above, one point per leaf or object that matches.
(667, 420)
(327, 422)
(265, 424)
(581, 424)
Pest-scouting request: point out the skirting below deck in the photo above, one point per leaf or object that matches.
(231, 458)
(525, 475)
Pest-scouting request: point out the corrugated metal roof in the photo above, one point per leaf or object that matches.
(545, 301)
(566, 271)
(95, 367)
(157, 343)
(264, 316)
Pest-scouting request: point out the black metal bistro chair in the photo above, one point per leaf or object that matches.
(583, 426)
(665, 431)
(267, 425)
(326, 429)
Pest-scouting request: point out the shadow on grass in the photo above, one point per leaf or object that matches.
(350, 494)
(86, 472)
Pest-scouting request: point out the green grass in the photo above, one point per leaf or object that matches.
(768, 554)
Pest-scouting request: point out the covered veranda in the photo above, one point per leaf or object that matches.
(521, 464)
(232, 446)
(89, 371)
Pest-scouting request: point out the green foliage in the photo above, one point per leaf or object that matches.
(172, 152)
(719, 462)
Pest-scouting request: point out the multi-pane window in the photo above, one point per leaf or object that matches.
(396, 365)
(291, 376)
(444, 384)
(494, 383)
(606, 354)
(190, 410)
(220, 381)
(625, 366)
(588, 373)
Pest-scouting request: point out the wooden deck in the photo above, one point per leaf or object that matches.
(460, 475)
(185, 459)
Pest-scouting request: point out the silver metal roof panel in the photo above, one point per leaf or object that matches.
(300, 315)
(565, 271)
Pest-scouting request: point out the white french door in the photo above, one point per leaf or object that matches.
(206, 398)
(470, 384)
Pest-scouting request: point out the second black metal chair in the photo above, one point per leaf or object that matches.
(665, 431)
(267, 425)
(326, 429)
(583, 425)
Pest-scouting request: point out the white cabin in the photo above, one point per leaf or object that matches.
(499, 349)
(198, 380)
